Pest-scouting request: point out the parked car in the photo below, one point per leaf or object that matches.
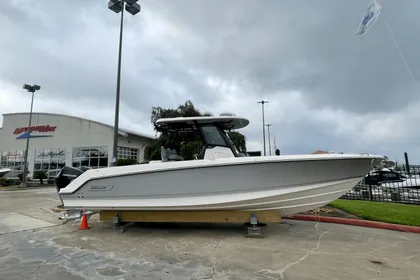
(377, 177)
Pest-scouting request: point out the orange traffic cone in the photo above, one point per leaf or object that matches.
(84, 222)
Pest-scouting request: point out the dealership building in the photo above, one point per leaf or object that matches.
(57, 140)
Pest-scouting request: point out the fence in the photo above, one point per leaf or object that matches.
(388, 186)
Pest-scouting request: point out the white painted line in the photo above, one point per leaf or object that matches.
(52, 199)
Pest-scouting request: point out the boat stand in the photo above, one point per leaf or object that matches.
(254, 230)
(120, 226)
(254, 220)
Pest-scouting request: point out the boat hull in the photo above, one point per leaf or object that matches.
(290, 186)
(4, 171)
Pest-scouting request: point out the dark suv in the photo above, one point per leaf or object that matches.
(380, 176)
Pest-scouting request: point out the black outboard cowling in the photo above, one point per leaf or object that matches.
(68, 174)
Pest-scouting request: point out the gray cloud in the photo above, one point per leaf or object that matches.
(308, 46)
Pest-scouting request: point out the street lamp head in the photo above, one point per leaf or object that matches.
(130, 2)
(31, 88)
(132, 8)
(115, 6)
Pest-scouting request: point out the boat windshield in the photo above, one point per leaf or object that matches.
(213, 136)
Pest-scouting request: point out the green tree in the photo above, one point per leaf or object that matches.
(238, 140)
(186, 144)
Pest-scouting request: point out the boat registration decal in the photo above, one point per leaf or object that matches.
(100, 188)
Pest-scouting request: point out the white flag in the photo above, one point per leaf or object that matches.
(371, 15)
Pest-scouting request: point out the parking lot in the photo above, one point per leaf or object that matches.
(34, 245)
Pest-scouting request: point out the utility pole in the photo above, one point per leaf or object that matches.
(275, 147)
(32, 90)
(262, 106)
(269, 138)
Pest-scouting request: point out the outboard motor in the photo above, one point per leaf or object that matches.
(68, 174)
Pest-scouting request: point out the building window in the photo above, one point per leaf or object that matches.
(49, 159)
(94, 157)
(124, 152)
(13, 160)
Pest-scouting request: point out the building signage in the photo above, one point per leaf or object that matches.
(13, 154)
(40, 129)
(50, 154)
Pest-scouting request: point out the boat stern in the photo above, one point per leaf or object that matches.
(66, 175)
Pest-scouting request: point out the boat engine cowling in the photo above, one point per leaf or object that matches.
(68, 174)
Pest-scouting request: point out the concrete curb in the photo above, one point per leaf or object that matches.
(355, 222)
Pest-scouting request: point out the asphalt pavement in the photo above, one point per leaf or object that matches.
(34, 245)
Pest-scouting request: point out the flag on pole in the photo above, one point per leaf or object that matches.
(371, 15)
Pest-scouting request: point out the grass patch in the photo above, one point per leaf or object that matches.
(18, 187)
(12, 187)
(381, 211)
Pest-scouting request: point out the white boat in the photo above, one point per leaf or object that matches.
(4, 171)
(220, 178)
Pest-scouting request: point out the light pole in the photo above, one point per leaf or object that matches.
(262, 106)
(269, 138)
(133, 8)
(32, 90)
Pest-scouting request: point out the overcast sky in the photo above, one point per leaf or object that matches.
(327, 89)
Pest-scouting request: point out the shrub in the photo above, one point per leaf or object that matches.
(40, 175)
(8, 182)
(126, 161)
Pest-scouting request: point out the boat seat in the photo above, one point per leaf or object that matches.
(169, 155)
